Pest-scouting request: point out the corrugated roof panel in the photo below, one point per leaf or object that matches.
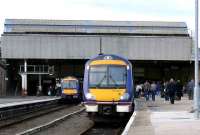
(23, 46)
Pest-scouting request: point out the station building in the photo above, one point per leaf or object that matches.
(40, 51)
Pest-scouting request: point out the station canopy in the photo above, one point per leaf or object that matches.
(95, 27)
(84, 39)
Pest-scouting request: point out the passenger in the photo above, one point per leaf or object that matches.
(39, 90)
(153, 91)
(184, 89)
(158, 88)
(166, 94)
(58, 88)
(138, 90)
(147, 87)
(179, 89)
(50, 91)
(171, 90)
(162, 93)
(190, 89)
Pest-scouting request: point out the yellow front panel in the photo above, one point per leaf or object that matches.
(70, 91)
(108, 62)
(107, 94)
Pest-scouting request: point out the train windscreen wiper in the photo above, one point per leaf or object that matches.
(99, 84)
(113, 80)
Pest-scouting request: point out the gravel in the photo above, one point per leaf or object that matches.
(75, 125)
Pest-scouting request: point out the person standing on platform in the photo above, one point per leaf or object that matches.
(147, 87)
(190, 89)
(171, 89)
(179, 90)
(166, 95)
(153, 91)
(58, 88)
(138, 89)
(50, 91)
(158, 88)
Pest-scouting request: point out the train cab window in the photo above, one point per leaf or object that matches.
(117, 76)
(69, 84)
(107, 76)
(97, 76)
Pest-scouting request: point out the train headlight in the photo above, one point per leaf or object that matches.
(125, 96)
(128, 67)
(89, 96)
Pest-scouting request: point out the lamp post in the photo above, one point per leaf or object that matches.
(196, 88)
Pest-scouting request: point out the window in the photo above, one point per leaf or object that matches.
(69, 84)
(107, 76)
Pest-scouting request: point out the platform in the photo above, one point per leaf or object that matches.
(163, 118)
(13, 101)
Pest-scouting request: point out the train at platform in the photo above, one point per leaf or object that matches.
(108, 86)
(70, 88)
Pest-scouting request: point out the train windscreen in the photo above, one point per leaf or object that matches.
(70, 84)
(107, 76)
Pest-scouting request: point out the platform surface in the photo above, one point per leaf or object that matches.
(163, 118)
(17, 100)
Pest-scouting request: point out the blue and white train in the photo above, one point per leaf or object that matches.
(108, 86)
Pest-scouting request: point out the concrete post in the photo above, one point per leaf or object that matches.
(196, 89)
(24, 79)
(40, 85)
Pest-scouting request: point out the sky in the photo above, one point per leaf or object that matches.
(116, 10)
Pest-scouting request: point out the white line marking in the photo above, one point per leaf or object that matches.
(128, 125)
(26, 102)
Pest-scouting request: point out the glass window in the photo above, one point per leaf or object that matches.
(117, 76)
(97, 76)
(69, 84)
(107, 76)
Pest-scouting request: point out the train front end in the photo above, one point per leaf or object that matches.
(108, 86)
(70, 88)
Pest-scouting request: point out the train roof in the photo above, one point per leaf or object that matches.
(109, 57)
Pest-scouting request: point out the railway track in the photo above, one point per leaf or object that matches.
(73, 123)
(50, 124)
(105, 129)
(32, 120)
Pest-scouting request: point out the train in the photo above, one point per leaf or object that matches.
(108, 86)
(70, 88)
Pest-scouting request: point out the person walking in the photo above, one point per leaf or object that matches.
(147, 87)
(190, 89)
(158, 88)
(153, 91)
(50, 91)
(179, 88)
(171, 90)
(58, 88)
(165, 91)
(138, 90)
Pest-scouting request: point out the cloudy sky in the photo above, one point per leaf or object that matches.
(128, 10)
